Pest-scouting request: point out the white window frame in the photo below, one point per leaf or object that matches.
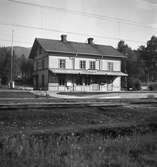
(61, 64)
(82, 64)
(110, 66)
(92, 65)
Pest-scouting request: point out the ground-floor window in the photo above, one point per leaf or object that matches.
(87, 80)
(61, 81)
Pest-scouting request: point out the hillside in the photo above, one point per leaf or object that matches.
(18, 50)
(22, 50)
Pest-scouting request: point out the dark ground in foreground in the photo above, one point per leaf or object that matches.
(122, 136)
(78, 136)
(91, 150)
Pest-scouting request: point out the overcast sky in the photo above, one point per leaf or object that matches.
(108, 21)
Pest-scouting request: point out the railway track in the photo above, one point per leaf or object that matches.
(26, 103)
(85, 115)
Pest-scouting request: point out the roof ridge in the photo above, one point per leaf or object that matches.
(53, 45)
(72, 42)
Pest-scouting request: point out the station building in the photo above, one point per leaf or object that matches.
(62, 65)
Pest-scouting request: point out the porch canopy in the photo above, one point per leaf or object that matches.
(87, 72)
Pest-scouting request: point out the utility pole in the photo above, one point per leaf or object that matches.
(11, 62)
(119, 30)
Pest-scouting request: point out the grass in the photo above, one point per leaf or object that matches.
(106, 93)
(51, 118)
(83, 93)
(90, 150)
(16, 94)
(104, 139)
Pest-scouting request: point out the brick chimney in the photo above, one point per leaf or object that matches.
(63, 38)
(90, 41)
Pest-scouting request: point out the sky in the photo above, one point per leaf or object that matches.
(107, 21)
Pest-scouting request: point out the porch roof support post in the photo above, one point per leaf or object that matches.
(73, 82)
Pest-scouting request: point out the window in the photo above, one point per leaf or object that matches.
(61, 81)
(110, 66)
(62, 63)
(87, 80)
(92, 65)
(40, 50)
(82, 64)
(43, 64)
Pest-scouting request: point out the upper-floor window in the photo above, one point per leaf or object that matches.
(61, 63)
(110, 66)
(92, 65)
(82, 64)
(43, 64)
(40, 50)
(61, 81)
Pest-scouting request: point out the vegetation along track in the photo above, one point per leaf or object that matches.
(80, 117)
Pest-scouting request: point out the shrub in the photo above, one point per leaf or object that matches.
(153, 86)
(137, 84)
(134, 83)
(151, 96)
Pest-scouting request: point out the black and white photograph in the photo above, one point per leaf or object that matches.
(78, 83)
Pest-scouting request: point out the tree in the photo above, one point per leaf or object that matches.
(5, 56)
(26, 66)
(21, 66)
(148, 57)
(131, 65)
(151, 58)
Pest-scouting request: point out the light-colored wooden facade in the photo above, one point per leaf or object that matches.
(62, 71)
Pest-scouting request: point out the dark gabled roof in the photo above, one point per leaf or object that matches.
(75, 47)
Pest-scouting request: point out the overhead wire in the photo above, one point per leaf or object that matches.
(118, 20)
(102, 17)
(61, 31)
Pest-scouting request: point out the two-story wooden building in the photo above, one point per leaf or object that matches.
(61, 65)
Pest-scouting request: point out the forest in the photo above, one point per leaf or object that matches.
(140, 64)
(22, 67)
